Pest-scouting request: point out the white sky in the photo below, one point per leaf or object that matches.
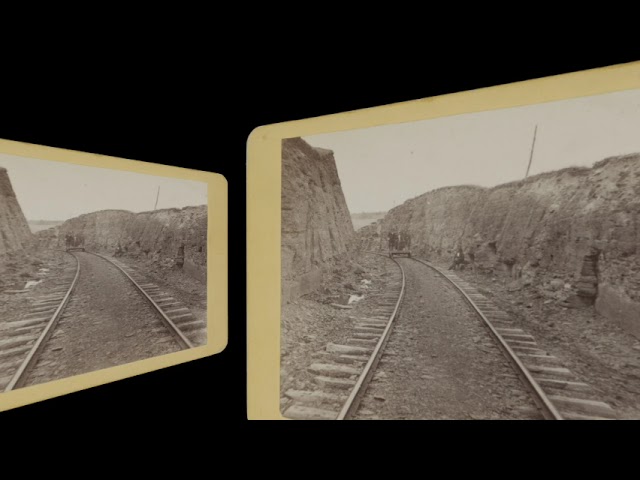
(381, 167)
(48, 190)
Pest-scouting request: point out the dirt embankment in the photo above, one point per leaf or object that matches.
(171, 237)
(17, 264)
(15, 234)
(573, 233)
(316, 225)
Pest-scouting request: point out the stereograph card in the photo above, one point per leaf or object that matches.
(468, 256)
(109, 268)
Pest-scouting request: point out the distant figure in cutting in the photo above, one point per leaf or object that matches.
(406, 241)
(472, 258)
(458, 259)
(393, 240)
(400, 245)
(69, 240)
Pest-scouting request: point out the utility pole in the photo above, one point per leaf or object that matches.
(531, 156)
(510, 208)
(157, 197)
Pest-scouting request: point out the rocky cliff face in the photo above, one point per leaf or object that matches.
(573, 232)
(172, 236)
(316, 226)
(14, 229)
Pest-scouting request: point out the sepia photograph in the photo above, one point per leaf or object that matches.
(478, 266)
(98, 268)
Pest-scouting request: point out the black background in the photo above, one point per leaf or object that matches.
(197, 111)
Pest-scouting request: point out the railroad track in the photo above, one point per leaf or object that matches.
(349, 368)
(23, 339)
(180, 322)
(559, 394)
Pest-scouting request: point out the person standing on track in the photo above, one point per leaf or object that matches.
(406, 240)
(393, 240)
(401, 240)
(472, 258)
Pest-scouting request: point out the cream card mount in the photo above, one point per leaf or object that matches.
(453, 257)
(111, 268)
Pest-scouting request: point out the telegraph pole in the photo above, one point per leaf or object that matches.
(531, 156)
(157, 197)
(509, 210)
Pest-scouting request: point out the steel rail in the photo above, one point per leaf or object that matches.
(353, 401)
(25, 367)
(549, 411)
(175, 331)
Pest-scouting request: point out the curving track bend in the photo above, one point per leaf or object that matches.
(435, 348)
(96, 315)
